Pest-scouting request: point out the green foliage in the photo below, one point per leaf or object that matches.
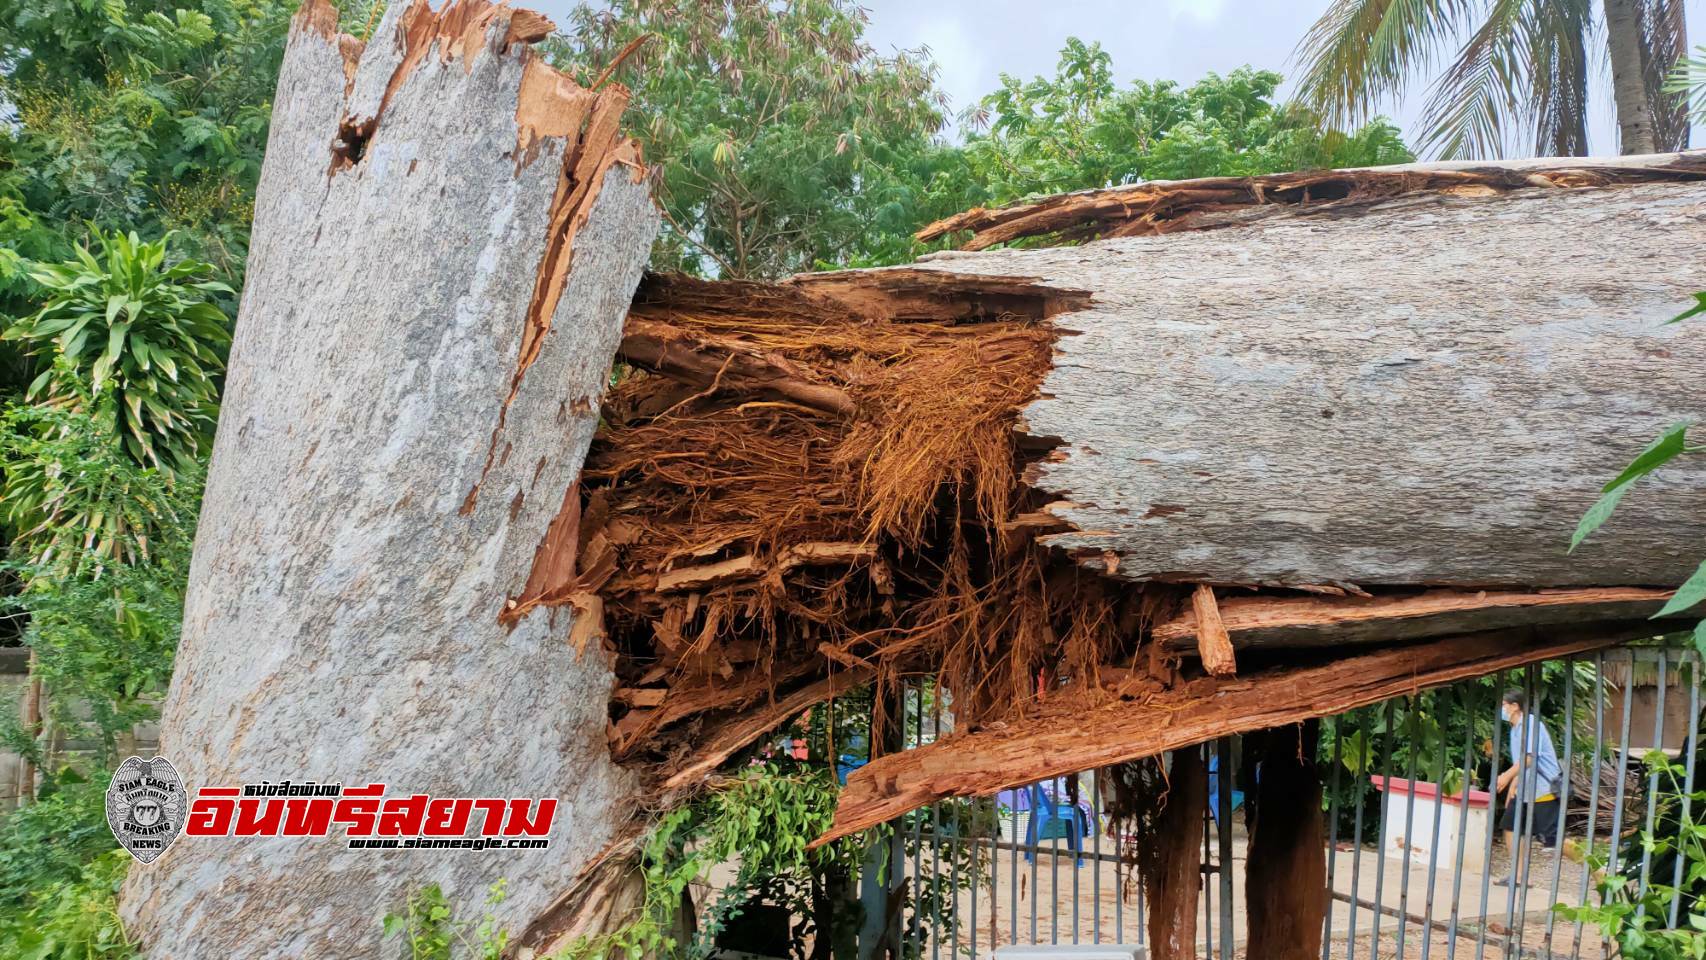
(74, 919)
(50, 842)
(134, 114)
(432, 933)
(103, 587)
(783, 139)
(139, 339)
(59, 874)
(760, 820)
(1635, 916)
(1080, 130)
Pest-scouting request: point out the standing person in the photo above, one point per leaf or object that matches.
(1532, 780)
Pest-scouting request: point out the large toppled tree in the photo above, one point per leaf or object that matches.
(446, 237)
(1283, 423)
(1344, 403)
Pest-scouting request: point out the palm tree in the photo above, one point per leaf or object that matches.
(1521, 73)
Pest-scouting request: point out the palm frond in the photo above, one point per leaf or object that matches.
(1360, 51)
(1475, 104)
(1558, 44)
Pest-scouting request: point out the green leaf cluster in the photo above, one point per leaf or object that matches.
(102, 590)
(142, 115)
(136, 341)
(429, 929)
(1635, 915)
(760, 821)
(782, 139)
(59, 875)
(1079, 130)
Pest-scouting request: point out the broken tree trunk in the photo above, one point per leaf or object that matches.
(447, 235)
(1175, 875)
(1425, 390)
(1286, 868)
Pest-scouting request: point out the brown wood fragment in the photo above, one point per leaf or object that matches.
(640, 696)
(706, 697)
(1264, 620)
(1214, 646)
(709, 575)
(744, 729)
(996, 758)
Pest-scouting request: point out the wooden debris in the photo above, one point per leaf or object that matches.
(1214, 647)
(711, 575)
(1265, 620)
(1160, 206)
(1080, 738)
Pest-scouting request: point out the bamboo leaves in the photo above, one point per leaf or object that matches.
(121, 319)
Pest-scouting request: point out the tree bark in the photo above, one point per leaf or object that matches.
(1286, 869)
(1425, 391)
(1628, 77)
(447, 235)
(1177, 878)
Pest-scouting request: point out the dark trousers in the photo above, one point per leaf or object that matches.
(1545, 828)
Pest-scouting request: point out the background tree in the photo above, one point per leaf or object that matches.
(1079, 130)
(1518, 82)
(779, 134)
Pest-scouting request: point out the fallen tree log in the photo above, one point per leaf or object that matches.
(1363, 385)
(1427, 390)
(447, 235)
(1074, 739)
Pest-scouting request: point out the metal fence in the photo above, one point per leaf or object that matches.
(1416, 864)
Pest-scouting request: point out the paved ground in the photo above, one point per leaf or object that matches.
(1048, 900)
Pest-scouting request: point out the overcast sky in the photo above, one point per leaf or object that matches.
(974, 41)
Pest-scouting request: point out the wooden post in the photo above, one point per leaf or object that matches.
(1177, 876)
(1286, 870)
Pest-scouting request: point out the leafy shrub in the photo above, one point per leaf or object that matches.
(1636, 917)
(73, 919)
(59, 877)
(140, 345)
(429, 930)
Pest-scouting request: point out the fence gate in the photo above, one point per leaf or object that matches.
(1417, 862)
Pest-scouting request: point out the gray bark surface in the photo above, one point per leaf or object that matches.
(1427, 390)
(342, 619)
